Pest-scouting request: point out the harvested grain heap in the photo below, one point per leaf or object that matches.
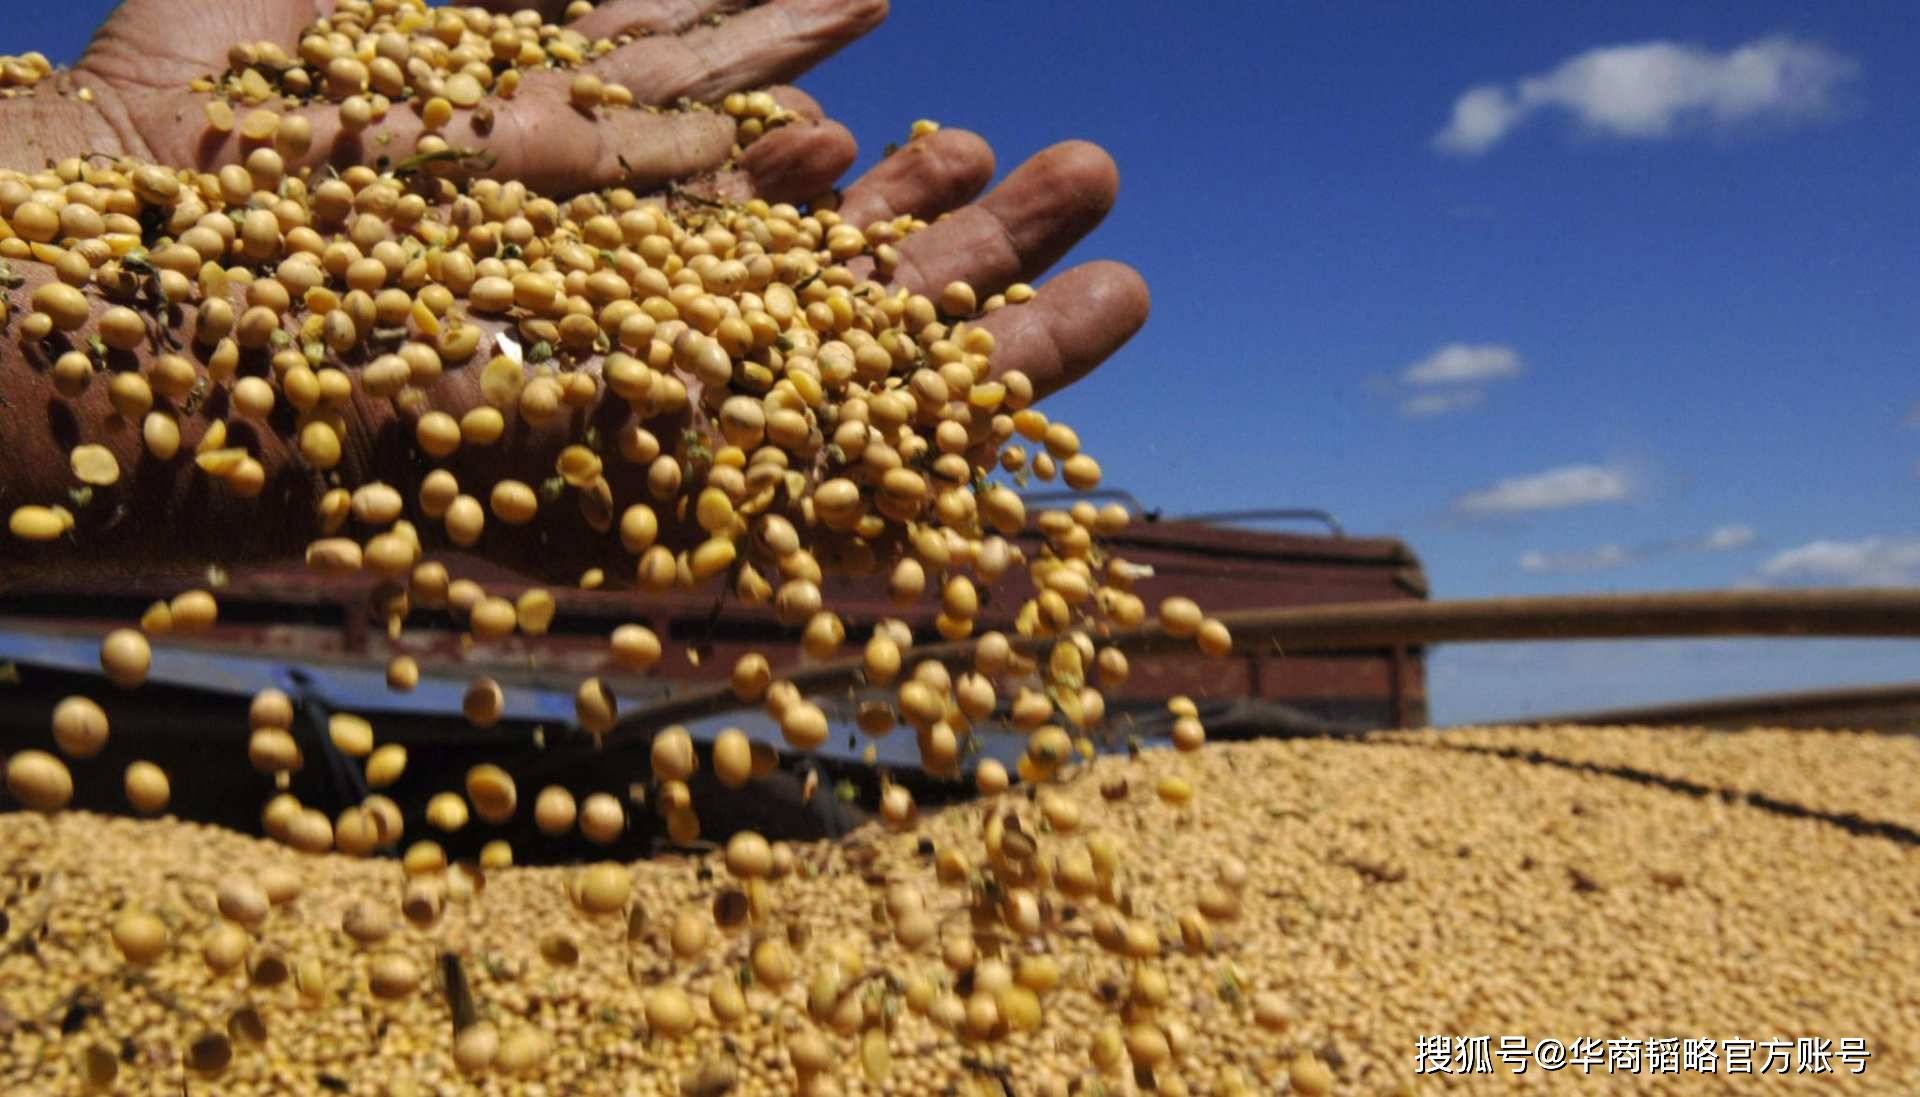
(1280, 921)
(692, 394)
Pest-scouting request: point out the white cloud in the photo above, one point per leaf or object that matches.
(1869, 562)
(1447, 374)
(1558, 563)
(1459, 363)
(1657, 89)
(1567, 486)
(1428, 404)
(1481, 117)
(1606, 557)
(1726, 538)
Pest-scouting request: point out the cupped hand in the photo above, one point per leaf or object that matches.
(147, 53)
(150, 50)
(1017, 231)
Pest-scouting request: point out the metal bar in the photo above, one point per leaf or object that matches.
(1875, 707)
(348, 781)
(1891, 612)
(1868, 612)
(1270, 514)
(1397, 675)
(1117, 495)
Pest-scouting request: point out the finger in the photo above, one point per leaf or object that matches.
(536, 137)
(539, 138)
(550, 10)
(925, 178)
(1075, 322)
(611, 20)
(800, 166)
(793, 162)
(801, 159)
(799, 102)
(769, 44)
(1020, 229)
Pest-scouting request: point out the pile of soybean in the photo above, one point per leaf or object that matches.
(1244, 919)
(688, 394)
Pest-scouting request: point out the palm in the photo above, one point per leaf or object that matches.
(150, 50)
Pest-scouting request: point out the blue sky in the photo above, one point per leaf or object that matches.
(1675, 286)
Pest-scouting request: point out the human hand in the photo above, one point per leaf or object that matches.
(692, 48)
(144, 57)
(1015, 233)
